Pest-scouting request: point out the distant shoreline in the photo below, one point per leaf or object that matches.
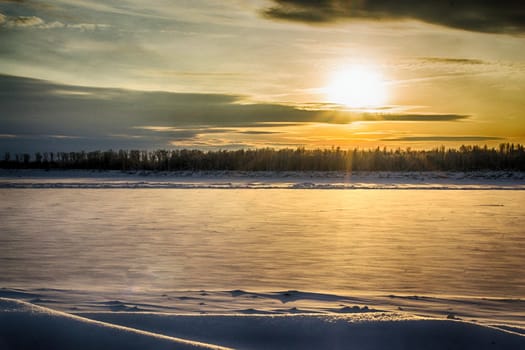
(507, 157)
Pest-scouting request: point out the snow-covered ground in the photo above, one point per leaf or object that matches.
(264, 180)
(244, 320)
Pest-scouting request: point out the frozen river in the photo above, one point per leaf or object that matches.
(427, 242)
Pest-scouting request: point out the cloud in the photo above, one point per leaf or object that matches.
(449, 60)
(20, 21)
(17, 22)
(87, 26)
(153, 119)
(164, 111)
(507, 16)
(190, 133)
(32, 108)
(443, 138)
(181, 134)
(258, 132)
(416, 117)
(269, 124)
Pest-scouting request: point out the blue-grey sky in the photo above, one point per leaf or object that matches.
(88, 74)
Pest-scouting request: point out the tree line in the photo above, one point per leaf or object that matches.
(465, 158)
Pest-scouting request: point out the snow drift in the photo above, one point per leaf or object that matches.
(27, 326)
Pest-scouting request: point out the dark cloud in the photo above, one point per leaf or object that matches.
(13, 1)
(444, 138)
(31, 110)
(505, 16)
(39, 114)
(448, 60)
(47, 104)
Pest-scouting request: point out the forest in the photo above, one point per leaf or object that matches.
(465, 158)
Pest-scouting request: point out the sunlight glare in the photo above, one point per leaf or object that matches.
(357, 87)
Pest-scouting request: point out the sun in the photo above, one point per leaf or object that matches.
(357, 87)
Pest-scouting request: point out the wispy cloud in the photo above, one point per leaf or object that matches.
(452, 60)
(258, 132)
(414, 117)
(34, 22)
(178, 73)
(60, 137)
(20, 21)
(443, 138)
(193, 133)
(107, 7)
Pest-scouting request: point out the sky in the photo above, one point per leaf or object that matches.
(128, 74)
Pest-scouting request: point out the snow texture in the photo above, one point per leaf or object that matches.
(27, 326)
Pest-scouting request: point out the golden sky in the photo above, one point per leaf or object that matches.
(89, 74)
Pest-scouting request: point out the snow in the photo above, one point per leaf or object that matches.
(482, 180)
(252, 320)
(26, 326)
(111, 318)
